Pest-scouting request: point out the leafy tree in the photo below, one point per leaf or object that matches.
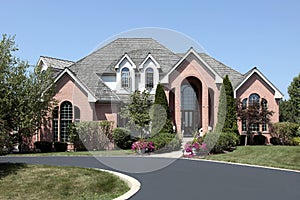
(294, 101)
(230, 124)
(290, 109)
(160, 113)
(137, 111)
(255, 113)
(26, 96)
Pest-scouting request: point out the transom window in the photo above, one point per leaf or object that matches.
(149, 78)
(125, 77)
(189, 98)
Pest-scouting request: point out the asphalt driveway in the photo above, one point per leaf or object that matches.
(189, 179)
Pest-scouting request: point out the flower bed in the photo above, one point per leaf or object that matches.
(142, 146)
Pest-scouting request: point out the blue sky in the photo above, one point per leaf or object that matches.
(241, 34)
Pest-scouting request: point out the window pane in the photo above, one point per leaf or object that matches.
(66, 117)
(244, 125)
(125, 77)
(244, 104)
(55, 124)
(149, 78)
(189, 98)
(254, 99)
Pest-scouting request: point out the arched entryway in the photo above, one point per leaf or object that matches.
(191, 104)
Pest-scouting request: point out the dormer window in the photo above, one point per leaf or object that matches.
(149, 78)
(125, 77)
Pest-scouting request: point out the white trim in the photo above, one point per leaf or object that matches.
(278, 94)
(218, 78)
(146, 59)
(91, 97)
(121, 60)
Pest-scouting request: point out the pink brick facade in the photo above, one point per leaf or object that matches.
(192, 85)
(195, 71)
(256, 85)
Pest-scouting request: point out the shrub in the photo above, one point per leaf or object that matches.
(122, 138)
(44, 146)
(75, 139)
(106, 128)
(296, 141)
(275, 141)
(91, 136)
(165, 142)
(218, 143)
(285, 131)
(259, 140)
(60, 146)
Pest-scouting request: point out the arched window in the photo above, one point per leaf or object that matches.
(55, 124)
(149, 78)
(125, 77)
(66, 117)
(254, 103)
(254, 99)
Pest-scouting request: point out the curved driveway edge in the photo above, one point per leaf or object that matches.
(133, 183)
(244, 164)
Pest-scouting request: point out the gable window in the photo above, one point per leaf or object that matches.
(125, 77)
(149, 78)
(66, 118)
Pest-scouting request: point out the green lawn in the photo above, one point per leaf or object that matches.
(273, 156)
(80, 153)
(20, 181)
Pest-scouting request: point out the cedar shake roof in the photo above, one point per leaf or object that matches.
(103, 61)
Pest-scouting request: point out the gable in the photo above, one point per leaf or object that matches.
(190, 56)
(255, 75)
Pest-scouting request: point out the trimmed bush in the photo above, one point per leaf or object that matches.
(259, 140)
(44, 146)
(122, 138)
(218, 143)
(275, 141)
(60, 146)
(165, 142)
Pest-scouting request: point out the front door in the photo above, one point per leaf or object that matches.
(189, 109)
(188, 122)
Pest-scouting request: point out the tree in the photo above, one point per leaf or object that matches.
(255, 113)
(227, 120)
(26, 96)
(290, 109)
(137, 111)
(160, 113)
(294, 101)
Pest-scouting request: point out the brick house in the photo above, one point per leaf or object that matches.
(95, 87)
